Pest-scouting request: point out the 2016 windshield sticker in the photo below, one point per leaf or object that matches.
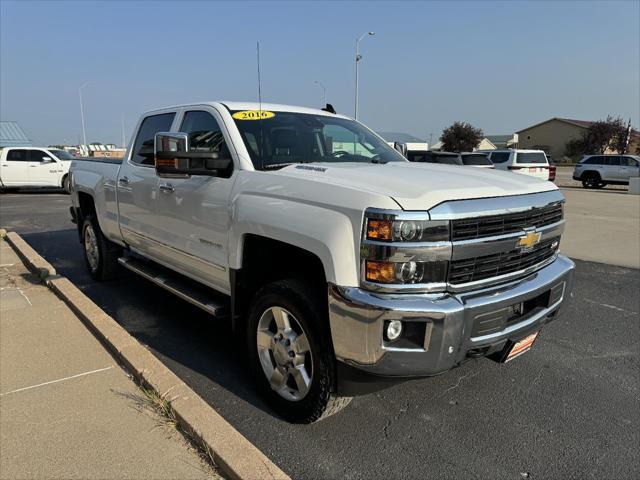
(253, 115)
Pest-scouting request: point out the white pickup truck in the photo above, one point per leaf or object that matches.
(342, 269)
(34, 167)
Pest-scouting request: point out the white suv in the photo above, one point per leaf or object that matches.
(527, 162)
(596, 171)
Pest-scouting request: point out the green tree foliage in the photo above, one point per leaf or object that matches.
(461, 137)
(608, 135)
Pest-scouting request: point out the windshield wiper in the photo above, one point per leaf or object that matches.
(273, 166)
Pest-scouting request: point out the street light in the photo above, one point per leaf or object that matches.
(358, 58)
(324, 92)
(84, 133)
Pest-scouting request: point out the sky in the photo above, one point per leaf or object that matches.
(502, 66)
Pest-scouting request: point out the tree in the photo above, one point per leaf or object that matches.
(608, 135)
(461, 137)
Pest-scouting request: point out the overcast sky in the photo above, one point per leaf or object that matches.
(500, 65)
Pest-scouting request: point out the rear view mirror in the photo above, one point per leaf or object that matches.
(172, 157)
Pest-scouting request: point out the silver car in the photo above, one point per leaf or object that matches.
(596, 171)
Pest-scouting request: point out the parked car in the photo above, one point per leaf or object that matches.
(422, 156)
(476, 159)
(596, 171)
(527, 162)
(336, 262)
(34, 167)
(552, 168)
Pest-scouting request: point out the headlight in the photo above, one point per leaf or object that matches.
(387, 230)
(404, 249)
(405, 272)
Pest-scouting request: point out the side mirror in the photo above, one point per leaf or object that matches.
(172, 157)
(46, 160)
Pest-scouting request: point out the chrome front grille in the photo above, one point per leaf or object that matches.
(489, 266)
(472, 228)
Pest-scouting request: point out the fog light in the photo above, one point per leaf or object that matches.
(394, 330)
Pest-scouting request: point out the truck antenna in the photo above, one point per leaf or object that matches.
(260, 105)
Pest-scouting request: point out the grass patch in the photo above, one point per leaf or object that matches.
(160, 404)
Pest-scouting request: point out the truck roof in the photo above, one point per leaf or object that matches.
(256, 106)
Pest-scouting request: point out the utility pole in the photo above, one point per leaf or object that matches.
(124, 140)
(358, 58)
(84, 133)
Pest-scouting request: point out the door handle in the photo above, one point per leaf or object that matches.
(123, 181)
(166, 188)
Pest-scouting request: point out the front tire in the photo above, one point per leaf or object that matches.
(591, 180)
(290, 352)
(101, 255)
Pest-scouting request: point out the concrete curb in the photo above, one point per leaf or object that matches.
(29, 256)
(236, 457)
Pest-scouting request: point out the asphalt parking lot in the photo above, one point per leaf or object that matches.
(567, 409)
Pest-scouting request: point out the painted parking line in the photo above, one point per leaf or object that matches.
(56, 381)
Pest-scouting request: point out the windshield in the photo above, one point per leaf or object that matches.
(279, 139)
(476, 159)
(531, 157)
(62, 155)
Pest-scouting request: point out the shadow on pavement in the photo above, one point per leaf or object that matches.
(184, 337)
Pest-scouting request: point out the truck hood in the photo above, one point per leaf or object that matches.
(421, 186)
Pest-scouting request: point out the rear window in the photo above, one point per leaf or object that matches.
(18, 155)
(500, 157)
(476, 159)
(448, 159)
(531, 157)
(593, 161)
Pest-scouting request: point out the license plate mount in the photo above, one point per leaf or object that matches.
(513, 349)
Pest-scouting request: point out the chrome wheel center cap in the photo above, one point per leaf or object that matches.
(280, 353)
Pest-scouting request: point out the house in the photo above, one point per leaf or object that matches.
(12, 135)
(501, 142)
(552, 136)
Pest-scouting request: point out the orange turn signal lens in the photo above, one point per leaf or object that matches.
(380, 272)
(380, 230)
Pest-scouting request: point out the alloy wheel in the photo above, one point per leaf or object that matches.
(91, 247)
(284, 353)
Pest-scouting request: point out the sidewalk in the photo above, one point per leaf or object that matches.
(67, 410)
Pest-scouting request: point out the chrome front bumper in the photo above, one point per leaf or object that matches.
(455, 326)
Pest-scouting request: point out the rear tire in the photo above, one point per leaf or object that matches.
(293, 363)
(591, 180)
(100, 254)
(65, 184)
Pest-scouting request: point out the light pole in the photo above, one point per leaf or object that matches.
(84, 133)
(358, 58)
(324, 92)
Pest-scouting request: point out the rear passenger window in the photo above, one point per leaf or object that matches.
(143, 147)
(500, 157)
(18, 155)
(612, 161)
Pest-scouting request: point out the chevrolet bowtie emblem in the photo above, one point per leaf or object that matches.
(529, 240)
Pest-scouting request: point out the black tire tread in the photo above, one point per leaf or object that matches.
(109, 252)
(326, 403)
